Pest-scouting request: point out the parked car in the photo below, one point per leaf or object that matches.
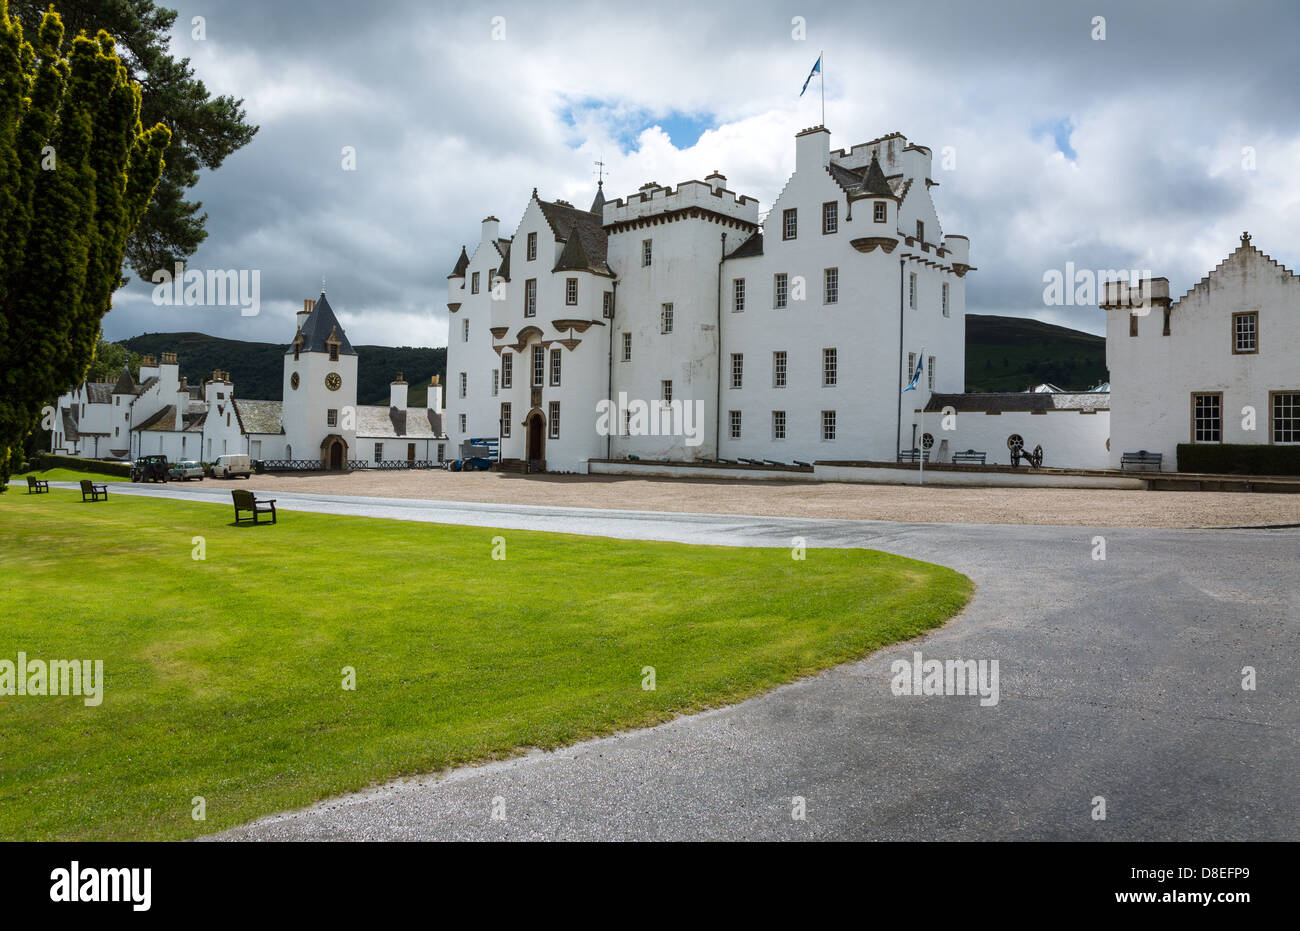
(184, 471)
(149, 469)
(233, 465)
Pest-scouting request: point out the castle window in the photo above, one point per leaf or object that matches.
(462, 423)
(945, 299)
(830, 217)
(830, 368)
(473, 283)
(532, 246)
(778, 368)
(505, 420)
(911, 368)
(878, 212)
(496, 382)
(607, 305)
(790, 224)
(507, 370)
(379, 452)
(831, 286)
(778, 425)
(666, 318)
(571, 291)
(733, 419)
(737, 369)
(555, 368)
(781, 290)
(1132, 324)
(1245, 333)
(464, 331)
(331, 418)
(930, 374)
(911, 290)
(1207, 417)
(828, 425)
(555, 420)
(737, 295)
(920, 231)
(464, 384)
(627, 347)
(539, 366)
(647, 252)
(666, 390)
(1168, 313)
(1285, 416)
(334, 352)
(530, 297)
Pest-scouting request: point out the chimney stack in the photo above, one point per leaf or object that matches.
(397, 393)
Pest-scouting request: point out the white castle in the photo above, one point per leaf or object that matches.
(791, 339)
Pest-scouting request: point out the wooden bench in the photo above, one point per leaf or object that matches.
(245, 502)
(36, 486)
(969, 455)
(913, 455)
(92, 491)
(1141, 461)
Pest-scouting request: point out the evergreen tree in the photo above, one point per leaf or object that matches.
(77, 171)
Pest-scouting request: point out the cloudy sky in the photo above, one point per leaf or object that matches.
(1151, 149)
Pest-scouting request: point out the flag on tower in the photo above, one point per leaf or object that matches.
(816, 69)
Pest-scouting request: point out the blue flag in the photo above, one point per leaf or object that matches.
(816, 69)
(916, 376)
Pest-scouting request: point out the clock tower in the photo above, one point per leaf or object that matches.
(320, 389)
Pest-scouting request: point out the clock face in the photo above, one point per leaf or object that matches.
(293, 381)
(333, 381)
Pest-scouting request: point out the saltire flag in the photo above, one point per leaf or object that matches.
(916, 376)
(816, 69)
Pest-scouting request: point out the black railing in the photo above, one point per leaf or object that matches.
(292, 465)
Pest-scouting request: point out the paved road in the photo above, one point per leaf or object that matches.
(1118, 678)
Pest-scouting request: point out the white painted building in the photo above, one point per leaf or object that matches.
(318, 421)
(1218, 365)
(1073, 428)
(793, 338)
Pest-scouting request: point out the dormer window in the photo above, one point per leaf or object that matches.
(333, 343)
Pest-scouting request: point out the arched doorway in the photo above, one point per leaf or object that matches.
(334, 453)
(536, 437)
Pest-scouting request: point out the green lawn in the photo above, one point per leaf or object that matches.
(223, 676)
(69, 475)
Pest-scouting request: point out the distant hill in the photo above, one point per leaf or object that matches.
(1014, 353)
(257, 369)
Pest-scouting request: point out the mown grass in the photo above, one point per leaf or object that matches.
(68, 475)
(223, 676)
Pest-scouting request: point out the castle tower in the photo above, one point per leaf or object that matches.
(320, 390)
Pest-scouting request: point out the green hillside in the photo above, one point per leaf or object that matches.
(257, 368)
(1015, 353)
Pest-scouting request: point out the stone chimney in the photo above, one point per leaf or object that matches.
(491, 229)
(397, 393)
(148, 367)
(168, 371)
(308, 305)
(434, 399)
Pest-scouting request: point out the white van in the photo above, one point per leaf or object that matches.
(232, 465)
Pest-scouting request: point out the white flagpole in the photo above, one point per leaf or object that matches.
(821, 73)
(922, 446)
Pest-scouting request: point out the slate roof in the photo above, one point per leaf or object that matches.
(1008, 401)
(320, 323)
(259, 416)
(416, 423)
(70, 424)
(462, 263)
(751, 246)
(99, 392)
(124, 384)
(868, 182)
(503, 270)
(163, 421)
(565, 220)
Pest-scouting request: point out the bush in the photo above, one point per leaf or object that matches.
(101, 466)
(1239, 458)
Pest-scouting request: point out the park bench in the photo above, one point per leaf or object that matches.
(246, 502)
(36, 486)
(1141, 461)
(969, 456)
(913, 455)
(93, 491)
